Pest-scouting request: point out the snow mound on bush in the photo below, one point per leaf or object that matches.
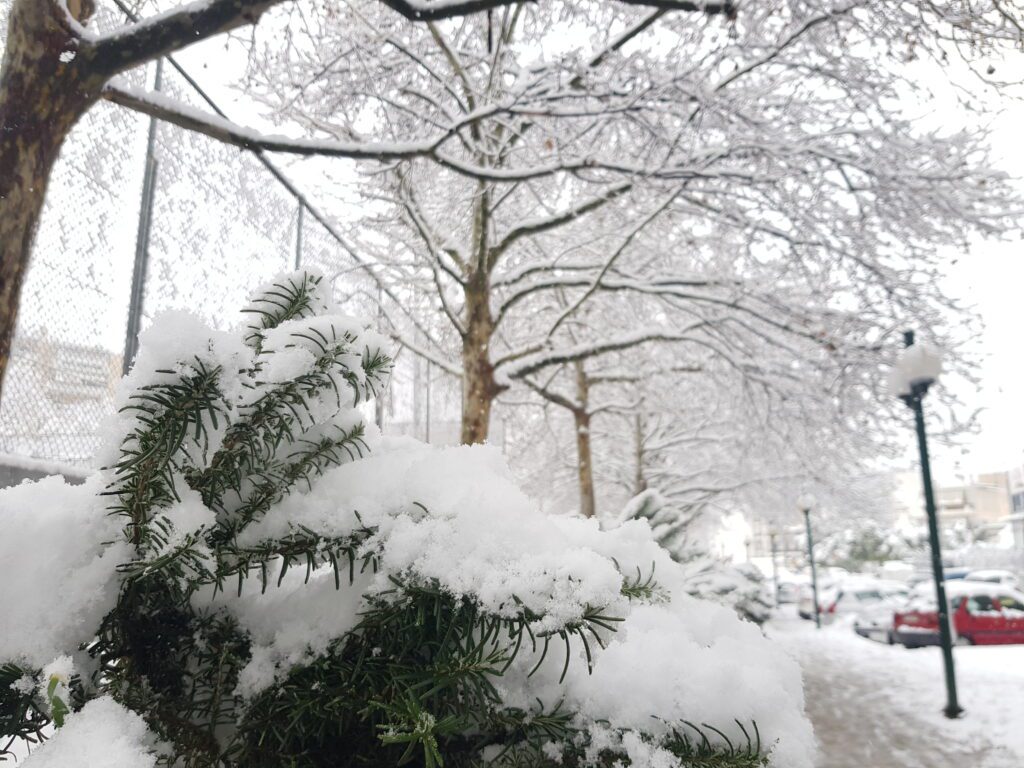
(103, 734)
(57, 577)
(455, 518)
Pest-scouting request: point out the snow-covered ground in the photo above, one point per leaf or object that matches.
(879, 706)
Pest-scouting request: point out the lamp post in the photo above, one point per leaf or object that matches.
(806, 502)
(916, 370)
(775, 568)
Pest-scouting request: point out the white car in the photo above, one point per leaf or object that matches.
(857, 595)
(789, 591)
(875, 622)
(850, 596)
(993, 576)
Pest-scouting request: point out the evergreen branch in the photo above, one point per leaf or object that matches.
(311, 460)
(290, 299)
(303, 546)
(23, 714)
(165, 415)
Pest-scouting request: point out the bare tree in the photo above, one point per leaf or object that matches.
(55, 69)
(771, 150)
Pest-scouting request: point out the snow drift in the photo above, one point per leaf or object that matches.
(280, 549)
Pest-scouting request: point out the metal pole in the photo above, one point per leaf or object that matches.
(814, 571)
(138, 289)
(914, 400)
(298, 238)
(379, 403)
(775, 569)
(426, 436)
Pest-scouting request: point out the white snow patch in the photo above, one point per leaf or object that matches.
(454, 517)
(103, 734)
(57, 578)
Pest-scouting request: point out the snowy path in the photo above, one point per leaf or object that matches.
(876, 706)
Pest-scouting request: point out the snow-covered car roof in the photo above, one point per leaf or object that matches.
(987, 574)
(965, 587)
(923, 598)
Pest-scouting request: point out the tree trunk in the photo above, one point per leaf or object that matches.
(41, 98)
(479, 388)
(588, 503)
(639, 480)
(584, 457)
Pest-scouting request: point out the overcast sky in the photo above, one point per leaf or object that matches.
(990, 278)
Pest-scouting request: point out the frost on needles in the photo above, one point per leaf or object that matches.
(258, 578)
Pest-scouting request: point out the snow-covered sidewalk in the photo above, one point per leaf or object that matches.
(879, 706)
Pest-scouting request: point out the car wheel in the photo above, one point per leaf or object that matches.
(890, 638)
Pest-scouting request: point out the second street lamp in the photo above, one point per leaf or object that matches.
(915, 371)
(775, 568)
(806, 502)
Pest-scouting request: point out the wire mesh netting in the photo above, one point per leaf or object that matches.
(220, 221)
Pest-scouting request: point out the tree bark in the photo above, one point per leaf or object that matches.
(639, 480)
(479, 386)
(584, 456)
(44, 89)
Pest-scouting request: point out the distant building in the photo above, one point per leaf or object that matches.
(56, 395)
(978, 501)
(1016, 516)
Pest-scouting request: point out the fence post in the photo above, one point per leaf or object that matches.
(298, 237)
(138, 290)
(426, 425)
(416, 396)
(379, 403)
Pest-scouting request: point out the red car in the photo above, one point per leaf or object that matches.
(981, 613)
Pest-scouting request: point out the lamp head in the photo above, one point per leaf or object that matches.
(916, 369)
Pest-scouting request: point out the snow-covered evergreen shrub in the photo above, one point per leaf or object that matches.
(248, 584)
(742, 587)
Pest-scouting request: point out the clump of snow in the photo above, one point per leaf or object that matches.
(172, 346)
(662, 663)
(318, 289)
(446, 518)
(57, 577)
(454, 517)
(25, 685)
(103, 734)
(59, 671)
(290, 624)
(188, 516)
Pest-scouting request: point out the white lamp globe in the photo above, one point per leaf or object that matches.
(806, 501)
(917, 364)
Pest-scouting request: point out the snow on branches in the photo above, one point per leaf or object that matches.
(288, 587)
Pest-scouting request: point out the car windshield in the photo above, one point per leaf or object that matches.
(981, 604)
(1010, 603)
(868, 594)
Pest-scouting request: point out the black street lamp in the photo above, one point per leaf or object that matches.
(916, 370)
(806, 502)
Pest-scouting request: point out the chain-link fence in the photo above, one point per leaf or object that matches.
(141, 217)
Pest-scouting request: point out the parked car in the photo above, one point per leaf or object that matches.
(982, 613)
(789, 592)
(850, 596)
(875, 620)
(805, 601)
(994, 576)
(855, 596)
(951, 573)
